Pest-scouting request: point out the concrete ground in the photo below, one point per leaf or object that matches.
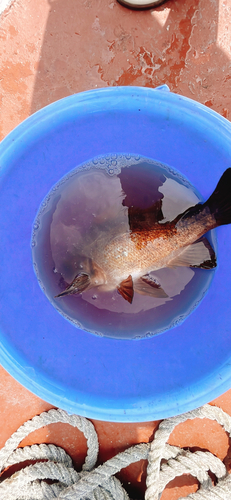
(51, 49)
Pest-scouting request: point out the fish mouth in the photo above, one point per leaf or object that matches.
(93, 277)
(80, 283)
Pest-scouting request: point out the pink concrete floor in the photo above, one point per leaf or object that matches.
(51, 49)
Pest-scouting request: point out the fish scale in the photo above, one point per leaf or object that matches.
(124, 255)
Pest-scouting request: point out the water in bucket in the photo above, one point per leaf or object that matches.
(104, 200)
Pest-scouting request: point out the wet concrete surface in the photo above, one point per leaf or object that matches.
(52, 49)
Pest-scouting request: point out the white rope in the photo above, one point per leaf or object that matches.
(165, 462)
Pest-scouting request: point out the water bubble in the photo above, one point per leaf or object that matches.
(72, 173)
(148, 335)
(95, 161)
(94, 297)
(99, 334)
(36, 225)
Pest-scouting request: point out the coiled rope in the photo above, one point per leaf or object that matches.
(99, 483)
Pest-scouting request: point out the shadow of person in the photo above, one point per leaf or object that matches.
(89, 44)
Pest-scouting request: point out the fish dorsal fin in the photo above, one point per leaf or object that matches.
(148, 285)
(125, 289)
(78, 285)
(200, 254)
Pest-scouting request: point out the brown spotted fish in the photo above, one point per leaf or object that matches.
(125, 261)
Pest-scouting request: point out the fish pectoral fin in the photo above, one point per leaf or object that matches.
(125, 289)
(148, 285)
(200, 254)
(78, 285)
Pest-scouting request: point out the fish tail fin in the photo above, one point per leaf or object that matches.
(219, 202)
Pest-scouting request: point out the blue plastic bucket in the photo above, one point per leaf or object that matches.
(104, 378)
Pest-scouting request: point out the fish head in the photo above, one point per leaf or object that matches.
(97, 275)
(90, 276)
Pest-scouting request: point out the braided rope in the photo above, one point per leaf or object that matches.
(162, 435)
(104, 472)
(52, 417)
(41, 452)
(99, 483)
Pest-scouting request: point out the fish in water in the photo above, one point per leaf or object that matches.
(125, 261)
